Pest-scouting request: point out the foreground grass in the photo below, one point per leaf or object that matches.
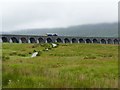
(67, 66)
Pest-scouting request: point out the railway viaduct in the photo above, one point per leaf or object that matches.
(8, 38)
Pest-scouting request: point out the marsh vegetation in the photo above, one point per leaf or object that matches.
(67, 66)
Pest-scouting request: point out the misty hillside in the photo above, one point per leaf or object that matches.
(90, 30)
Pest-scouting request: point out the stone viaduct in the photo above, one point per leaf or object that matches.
(7, 38)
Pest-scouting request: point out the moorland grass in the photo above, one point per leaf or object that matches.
(67, 66)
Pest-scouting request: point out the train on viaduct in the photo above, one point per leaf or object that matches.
(8, 38)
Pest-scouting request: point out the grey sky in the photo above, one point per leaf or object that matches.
(21, 14)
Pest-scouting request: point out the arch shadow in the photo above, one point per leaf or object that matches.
(109, 41)
(95, 41)
(24, 40)
(66, 40)
(5, 39)
(49, 40)
(81, 41)
(116, 41)
(14, 40)
(59, 40)
(32, 40)
(88, 41)
(74, 40)
(103, 41)
(41, 40)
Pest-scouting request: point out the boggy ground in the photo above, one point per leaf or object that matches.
(67, 66)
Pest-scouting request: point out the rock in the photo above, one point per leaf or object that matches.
(54, 45)
(46, 49)
(34, 54)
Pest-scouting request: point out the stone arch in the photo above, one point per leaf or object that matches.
(32, 40)
(74, 40)
(14, 40)
(103, 41)
(88, 41)
(95, 41)
(41, 40)
(59, 40)
(116, 41)
(109, 41)
(81, 41)
(66, 40)
(24, 40)
(49, 40)
(5, 39)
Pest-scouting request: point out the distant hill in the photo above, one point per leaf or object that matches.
(90, 30)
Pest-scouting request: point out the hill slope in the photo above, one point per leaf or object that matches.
(95, 30)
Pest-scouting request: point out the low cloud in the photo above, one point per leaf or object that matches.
(25, 15)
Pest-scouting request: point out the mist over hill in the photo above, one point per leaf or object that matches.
(89, 30)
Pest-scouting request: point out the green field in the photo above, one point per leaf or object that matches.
(67, 66)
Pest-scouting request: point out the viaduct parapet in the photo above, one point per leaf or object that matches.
(8, 38)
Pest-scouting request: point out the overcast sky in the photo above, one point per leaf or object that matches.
(27, 14)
